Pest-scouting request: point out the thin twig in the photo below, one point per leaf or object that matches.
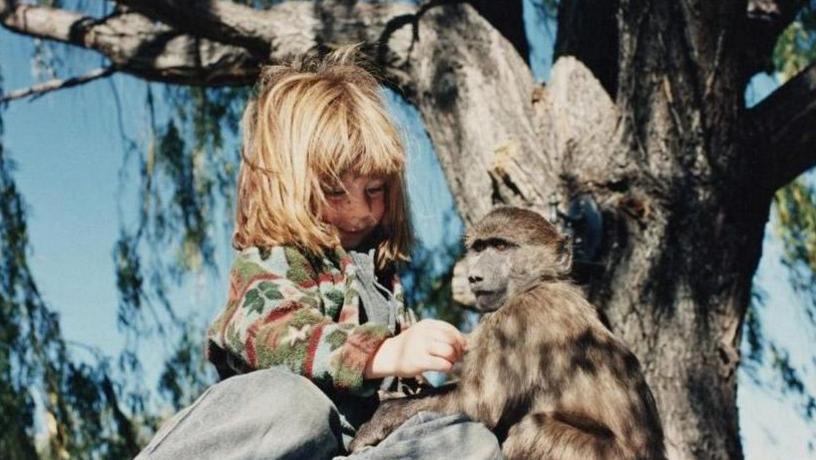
(57, 84)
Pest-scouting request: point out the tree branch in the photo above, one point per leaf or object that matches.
(163, 51)
(288, 28)
(475, 94)
(784, 128)
(57, 84)
(137, 45)
(223, 21)
(473, 90)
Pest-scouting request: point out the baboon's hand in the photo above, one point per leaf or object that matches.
(369, 434)
(386, 419)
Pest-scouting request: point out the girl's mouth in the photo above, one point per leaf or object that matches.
(355, 231)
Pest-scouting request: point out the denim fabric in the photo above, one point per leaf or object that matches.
(432, 436)
(274, 414)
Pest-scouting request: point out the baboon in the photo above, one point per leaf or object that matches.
(541, 370)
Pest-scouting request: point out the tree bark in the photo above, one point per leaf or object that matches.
(682, 190)
(136, 44)
(659, 136)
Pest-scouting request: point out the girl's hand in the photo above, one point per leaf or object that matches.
(429, 345)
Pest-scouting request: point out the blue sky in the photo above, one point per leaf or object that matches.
(69, 156)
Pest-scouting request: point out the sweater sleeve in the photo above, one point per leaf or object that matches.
(275, 316)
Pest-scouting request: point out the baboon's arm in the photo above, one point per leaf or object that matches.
(392, 414)
(554, 435)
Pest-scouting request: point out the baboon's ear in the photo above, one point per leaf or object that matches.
(563, 256)
(467, 239)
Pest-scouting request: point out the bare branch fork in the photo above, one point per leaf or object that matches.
(223, 21)
(137, 45)
(218, 43)
(785, 128)
(40, 89)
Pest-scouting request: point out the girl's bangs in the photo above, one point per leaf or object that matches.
(383, 160)
(347, 149)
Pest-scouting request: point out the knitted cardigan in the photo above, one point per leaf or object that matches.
(288, 308)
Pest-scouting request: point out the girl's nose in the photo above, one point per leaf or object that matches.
(361, 206)
(357, 212)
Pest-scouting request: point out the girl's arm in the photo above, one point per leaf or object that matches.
(275, 316)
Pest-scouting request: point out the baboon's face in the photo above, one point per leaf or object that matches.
(489, 263)
(509, 250)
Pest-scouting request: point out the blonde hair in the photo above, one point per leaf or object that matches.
(310, 122)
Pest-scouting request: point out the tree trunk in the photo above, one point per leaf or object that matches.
(683, 215)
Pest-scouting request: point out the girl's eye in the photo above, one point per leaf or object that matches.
(375, 190)
(338, 193)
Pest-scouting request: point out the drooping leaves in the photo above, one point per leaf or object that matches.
(796, 46)
(795, 224)
(428, 280)
(76, 404)
(16, 404)
(796, 212)
(185, 372)
(187, 172)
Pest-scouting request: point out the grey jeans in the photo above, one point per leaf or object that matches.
(275, 414)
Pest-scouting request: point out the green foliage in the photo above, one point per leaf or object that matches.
(182, 180)
(16, 404)
(185, 190)
(184, 375)
(76, 403)
(429, 292)
(796, 226)
(428, 278)
(785, 378)
(186, 177)
(129, 281)
(796, 47)
(791, 380)
(753, 332)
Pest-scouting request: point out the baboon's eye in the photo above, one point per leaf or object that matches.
(501, 245)
(477, 246)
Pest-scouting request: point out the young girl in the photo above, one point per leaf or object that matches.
(315, 323)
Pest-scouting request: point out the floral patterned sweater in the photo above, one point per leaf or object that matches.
(287, 308)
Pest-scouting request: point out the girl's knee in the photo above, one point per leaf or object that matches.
(274, 392)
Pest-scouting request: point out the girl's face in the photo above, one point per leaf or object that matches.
(355, 208)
